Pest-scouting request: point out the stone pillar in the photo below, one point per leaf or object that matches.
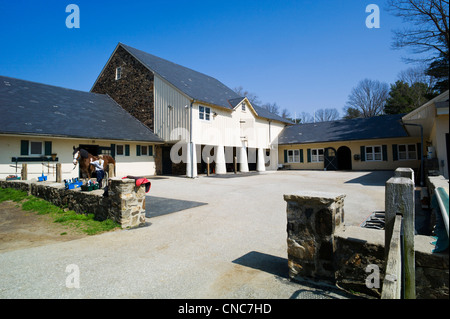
(128, 202)
(312, 219)
(243, 163)
(220, 160)
(260, 164)
(404, 172)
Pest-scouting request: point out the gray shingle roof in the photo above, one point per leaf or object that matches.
(385, 126)
(194, 84)
(39, 109)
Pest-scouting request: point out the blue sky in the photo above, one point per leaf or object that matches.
(302, 55)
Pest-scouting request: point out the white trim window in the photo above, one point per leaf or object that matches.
(120, 150)
(293, 156)
(118, 73)
(35, 148)
(374, 153)
(407, 152)
(204, 113)
(317, 155)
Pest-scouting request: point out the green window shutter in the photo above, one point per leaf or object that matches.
(113, 150)
(363, 153)
(150, 150)
(24, 147)
(127, 150)
(138, 150)
(301, 156)
(48, 148)
(384, 150)
(394, 152)
(285, 156)
(419, 151)
(308, 155)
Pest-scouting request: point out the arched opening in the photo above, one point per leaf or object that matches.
(344, 155)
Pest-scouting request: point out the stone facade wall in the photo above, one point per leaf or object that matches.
(125, 203)
(133, 91)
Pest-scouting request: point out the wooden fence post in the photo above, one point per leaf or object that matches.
(400, 200)
(24, 172)
(58, 173)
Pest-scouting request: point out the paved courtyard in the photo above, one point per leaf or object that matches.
(211, 237)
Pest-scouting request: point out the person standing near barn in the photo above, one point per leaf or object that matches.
(98, 164)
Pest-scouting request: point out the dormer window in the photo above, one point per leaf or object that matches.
(118, 73)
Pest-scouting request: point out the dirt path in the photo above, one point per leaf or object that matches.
(22, 229)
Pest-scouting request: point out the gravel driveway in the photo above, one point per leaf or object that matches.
(211, 237)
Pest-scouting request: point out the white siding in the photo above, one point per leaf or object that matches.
(229, 127)
(168, 119)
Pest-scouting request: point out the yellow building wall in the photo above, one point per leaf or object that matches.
(355, 148)
(63, 147)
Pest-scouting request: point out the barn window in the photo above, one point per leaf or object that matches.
(204, 113)
(35, 148)
(374, 153)
(407, 152)
(120, 150)
(118, 73)
(293, 156)
(317, 155)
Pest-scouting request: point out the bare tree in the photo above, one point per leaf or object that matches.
(285, 113)
(417, 75)
(326, 115)
(272, 107)
(253, 98)
(305, 118)
(368, 97)
(428, 22)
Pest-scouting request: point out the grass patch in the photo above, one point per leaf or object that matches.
(80, 222)
(12, 194)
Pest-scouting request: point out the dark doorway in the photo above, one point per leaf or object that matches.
(330, 159)
(344, 156)
(252, 158)
(166, 161)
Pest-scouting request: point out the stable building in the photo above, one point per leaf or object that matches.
(41, 124)
(430, 122)
(199, 118)
(375, 143)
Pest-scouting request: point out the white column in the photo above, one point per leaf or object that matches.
(191, 163)
(220, 160)
(243, 163)
(260, 164)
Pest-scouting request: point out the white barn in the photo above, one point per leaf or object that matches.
(188, 108)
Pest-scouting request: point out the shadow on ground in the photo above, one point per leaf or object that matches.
(158, 206)
(278, 267)
(377, 178)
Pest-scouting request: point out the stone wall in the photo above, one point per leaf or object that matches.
(125, 203)
(133, 91)
(321, 248)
